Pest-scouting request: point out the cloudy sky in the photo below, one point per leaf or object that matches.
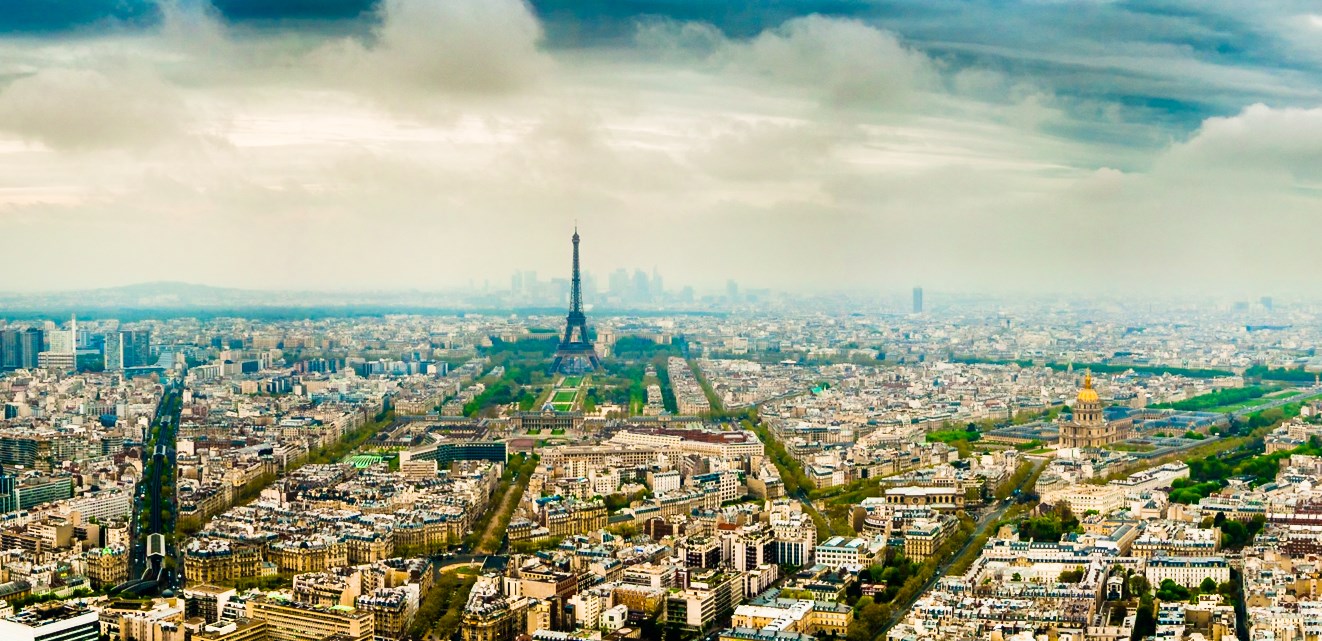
(987, 145)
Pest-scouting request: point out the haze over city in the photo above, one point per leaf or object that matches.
(972, 147)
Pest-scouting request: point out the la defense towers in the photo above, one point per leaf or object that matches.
(575, 352)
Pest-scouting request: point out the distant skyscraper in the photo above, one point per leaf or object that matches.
(619, 282)
(8, 495)
(113, 352)
(732, 289)
(642, 286)
(516, 282)
(19, 348)
(1267, 303)
(560, 287)
(127, 349)
(30, 343)
(137, 348)
(8, 349)
(918, 300)
(64, 341)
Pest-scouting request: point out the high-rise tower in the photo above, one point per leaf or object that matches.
(576, 352)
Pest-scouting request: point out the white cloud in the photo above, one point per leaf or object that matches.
(841, 62)
(853, 63)
(80, 109)
(457, 46)
(1260, 140)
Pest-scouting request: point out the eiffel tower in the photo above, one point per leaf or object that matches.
(576, 353)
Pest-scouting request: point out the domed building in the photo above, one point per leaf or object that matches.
(1088, 427)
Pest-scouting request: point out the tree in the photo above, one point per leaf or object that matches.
(1229, 590)
(1234, 535)
(1208, 586)
(1050, 526)
(1145, 620)
(869, 616)
(1138, 584)
(1172, 591)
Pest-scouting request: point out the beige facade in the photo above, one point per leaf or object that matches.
(307, 556)
(221, 563)
(106, 567)
(1088, 427)
(291, 621)
(502, 621)
(925, 536)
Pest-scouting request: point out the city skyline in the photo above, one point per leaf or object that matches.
(553, 293)
(1136, 147)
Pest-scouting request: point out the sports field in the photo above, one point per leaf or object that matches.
(360, 461)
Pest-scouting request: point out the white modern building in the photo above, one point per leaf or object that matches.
(664, 482)
(839, 551)
(51, 623)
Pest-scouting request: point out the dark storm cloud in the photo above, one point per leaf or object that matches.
(589, 22)
(1171, 62)
(54, 16)
(569, 22)
(1168, 63)
(239, 10)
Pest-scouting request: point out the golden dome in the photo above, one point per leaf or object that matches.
(1088, 394)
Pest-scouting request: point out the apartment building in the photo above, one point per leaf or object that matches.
(289, 620)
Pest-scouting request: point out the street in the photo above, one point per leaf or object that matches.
(985, 522)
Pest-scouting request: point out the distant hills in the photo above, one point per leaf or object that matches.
(177, 299)
(170, 295)
(156, 294)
